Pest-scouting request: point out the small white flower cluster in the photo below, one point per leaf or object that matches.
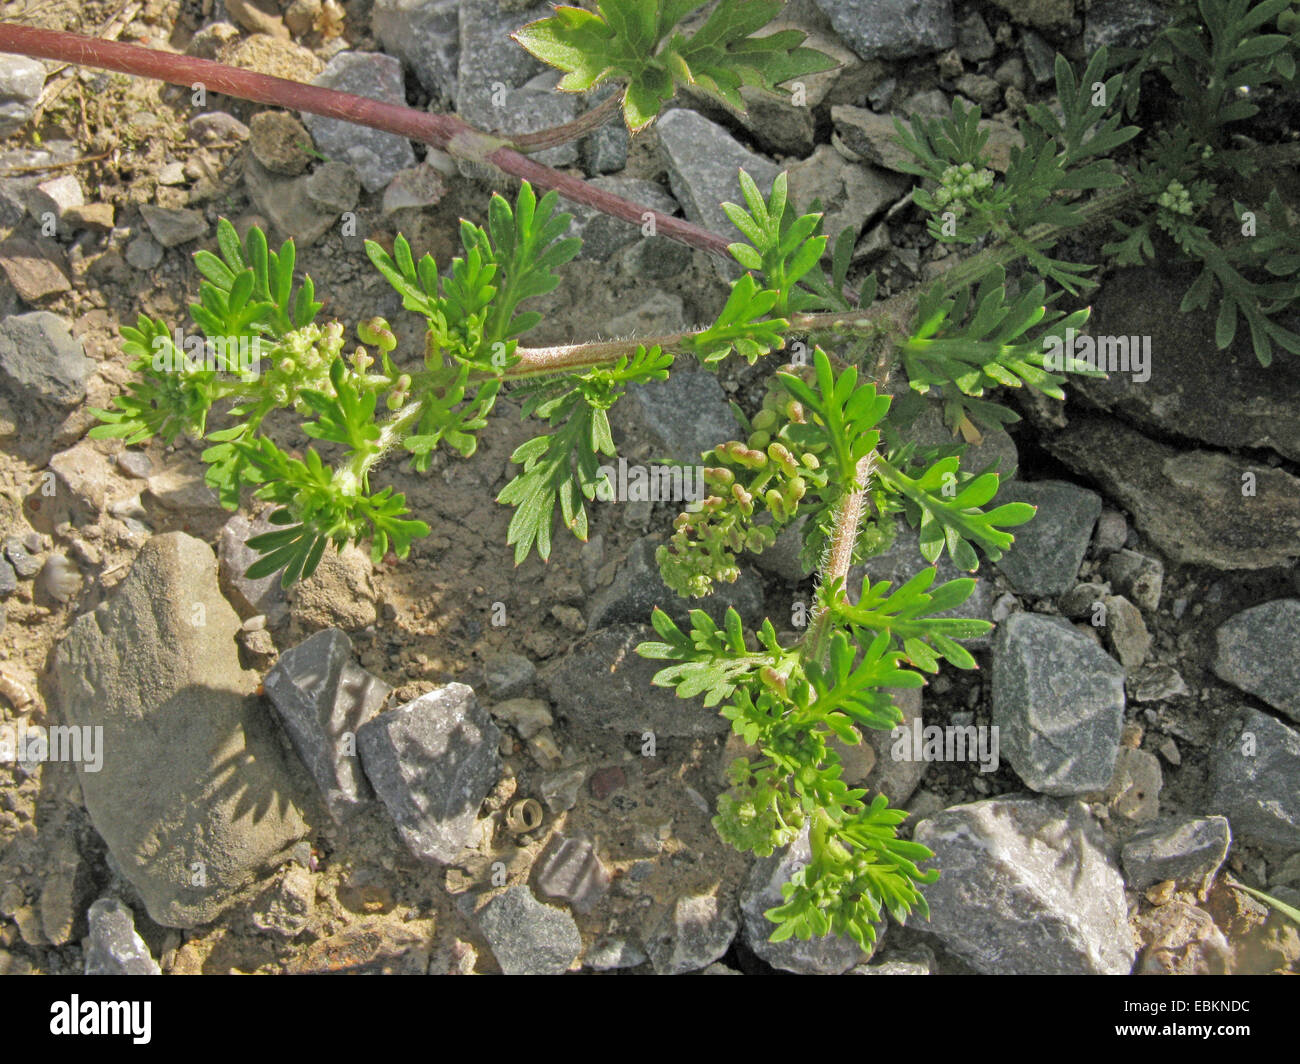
(961, 183)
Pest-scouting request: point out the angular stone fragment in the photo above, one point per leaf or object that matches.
(1258, 650)
(432, 762)
(1189, 849)
(113, 947)
(1027, 886)
(691, 934)
(322, 697)
(528, 937)
(1058, 700)
(1255, 778)
(570, 870)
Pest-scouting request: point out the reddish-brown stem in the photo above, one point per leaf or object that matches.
(443, 131)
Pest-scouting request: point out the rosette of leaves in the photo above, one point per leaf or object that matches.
(643, 45)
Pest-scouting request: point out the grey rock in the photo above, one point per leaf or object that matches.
(656, 258)
(1111, 533)
(1027, 886)
(1134, 790)
(432, 762)
(1047, 553)
(1130, 23)
(425, 35)
(603, 235)
(603, 683)
(1194, 390)
(1185, 850)
(509, 675)
(527, 716)
(892, 29)
(783, 558)
(604, 151)
(55, 197)
(1085, 601)
(559, 789)
(613, 951)
(1058, 701)
(376, 156)
(491, 63)
(704, 162)
(333, 187)
(8, 578)
(21, 82)
(144, 253)
(419, 187)
(1255, 778)
(173, 226)
(1138, 576)
(113, 947)
(851, 195)
(893, 968)
(974, 41)
(1044, 14)
(285, 908)
(1258, 650)
(902, 560)
(249, 596)
(692, 933)
(638, 588)
(1040, 56)
(866, 135)
(40, 359)
(1126, 631)
(827, 955)
(22, 560)
(1158, 683)
(684, 416)
(570, 870)
(287, 205)
(1189, 503)
(654, 312)
(322, 697)
(528, 937)
(192, 797)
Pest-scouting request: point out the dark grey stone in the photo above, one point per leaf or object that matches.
(528, 937)
(683, 416)
(1126, 23)
(1027, 886)
(432, 762)
(490, 60)
(1047, 553)
(376, 156)
(691, 933)
(322, 697)
(1190, 849)
(1137, 576)
(892, 29)
(234, 556)
(1058, 700)
(1258, 651)
(509, 675)
(425, 35)
(21, 82)
(704, 162)
(1255, 778)
(41, 360)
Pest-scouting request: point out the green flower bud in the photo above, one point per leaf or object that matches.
(759, 440)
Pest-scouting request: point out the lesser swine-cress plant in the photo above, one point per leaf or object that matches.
(828, 443)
